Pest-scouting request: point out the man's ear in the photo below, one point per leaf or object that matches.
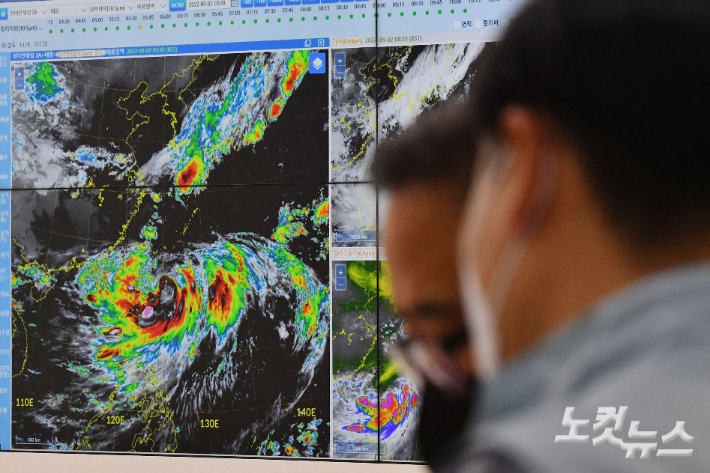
(527, 135)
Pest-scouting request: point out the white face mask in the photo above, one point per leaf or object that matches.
(481, 310)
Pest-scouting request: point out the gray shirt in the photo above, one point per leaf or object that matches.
(646, 348)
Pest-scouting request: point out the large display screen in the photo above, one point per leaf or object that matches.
(190, 257)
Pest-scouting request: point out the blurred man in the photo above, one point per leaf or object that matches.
(426, 173)
(586, 245)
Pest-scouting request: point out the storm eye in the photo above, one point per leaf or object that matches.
(131, 288)
(148, 315)
(161, 306)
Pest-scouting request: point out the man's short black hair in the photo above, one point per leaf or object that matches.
(441, 145)
(628, 81)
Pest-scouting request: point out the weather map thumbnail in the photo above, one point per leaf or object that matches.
(170, 239)
(380, 92)
(375, 410)
(377, 94)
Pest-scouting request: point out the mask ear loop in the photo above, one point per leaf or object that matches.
(481, 313)
(481, 326)
(478, 312)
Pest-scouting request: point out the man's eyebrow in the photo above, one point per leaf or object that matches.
(433, 308)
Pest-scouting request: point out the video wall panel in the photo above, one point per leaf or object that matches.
(190, 255)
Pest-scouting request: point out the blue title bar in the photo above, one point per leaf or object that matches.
(287, 44)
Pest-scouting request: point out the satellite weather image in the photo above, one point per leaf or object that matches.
(376, 95)
(174, 288)
(170, 255)
(362, 374)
